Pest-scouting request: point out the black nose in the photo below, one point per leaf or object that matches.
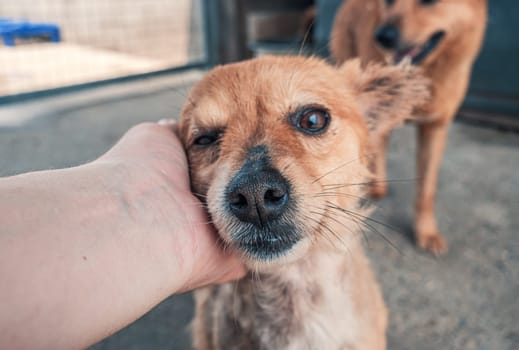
(388, 36)
(258, 196)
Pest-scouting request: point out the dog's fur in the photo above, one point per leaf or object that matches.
(448, 65)
(320, 293)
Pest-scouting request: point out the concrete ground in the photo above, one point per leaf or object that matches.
(468, 299)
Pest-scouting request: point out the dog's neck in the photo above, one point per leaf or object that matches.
(293, 302)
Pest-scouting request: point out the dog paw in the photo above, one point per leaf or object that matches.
(378, 190)
(433, 243)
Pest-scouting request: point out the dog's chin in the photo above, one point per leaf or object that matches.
(418, 54)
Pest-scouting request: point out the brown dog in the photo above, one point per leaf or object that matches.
(276, 147)
(444, 38)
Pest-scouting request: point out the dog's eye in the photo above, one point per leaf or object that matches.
(311, 121)
(390, 2)
(428, 2)
(207, 139)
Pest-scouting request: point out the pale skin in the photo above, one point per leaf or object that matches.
(87, 250)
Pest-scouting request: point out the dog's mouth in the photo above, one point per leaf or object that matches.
(266, 248)
(418, 53)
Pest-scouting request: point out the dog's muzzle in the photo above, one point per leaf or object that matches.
(259, 199)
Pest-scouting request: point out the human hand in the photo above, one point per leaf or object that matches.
(153, 178)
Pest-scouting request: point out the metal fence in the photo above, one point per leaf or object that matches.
(52, 44)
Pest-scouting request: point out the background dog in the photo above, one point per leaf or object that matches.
(443, 37)
(277, 151)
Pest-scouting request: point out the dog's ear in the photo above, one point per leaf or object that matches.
(386, 95)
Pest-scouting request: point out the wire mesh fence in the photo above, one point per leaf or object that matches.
(48, 44)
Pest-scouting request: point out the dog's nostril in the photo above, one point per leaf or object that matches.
(275, 196)
(238, 200)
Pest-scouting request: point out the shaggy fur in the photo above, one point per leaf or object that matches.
(448, 66)
(320, 293)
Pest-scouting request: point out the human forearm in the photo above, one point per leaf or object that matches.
(87, 250)
(76, 267)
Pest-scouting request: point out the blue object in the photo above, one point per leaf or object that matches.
(11, 29)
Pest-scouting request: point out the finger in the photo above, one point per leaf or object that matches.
(172, 124)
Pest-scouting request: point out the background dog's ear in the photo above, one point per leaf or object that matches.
(387, 95)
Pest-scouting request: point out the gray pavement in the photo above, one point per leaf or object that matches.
(468, 299)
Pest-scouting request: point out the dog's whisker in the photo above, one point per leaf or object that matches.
(359, 223)
(182, 91)
(395, 229)
(204, 223)
(200, 194)
(362, 220)
(340, 167)
(306, 36)
(340, 214)
(367, 183)
(343, 224)
(334, 234)
(322, 233)
(199, 204)
(377, 181)
(339, 194)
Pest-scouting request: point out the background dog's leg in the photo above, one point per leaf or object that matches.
(431, 145)
(379, 185)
